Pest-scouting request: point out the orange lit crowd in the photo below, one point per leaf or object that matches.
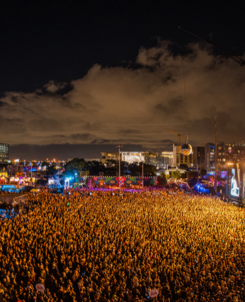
(100, 247)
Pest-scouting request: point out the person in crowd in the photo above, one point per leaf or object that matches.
(104, 247)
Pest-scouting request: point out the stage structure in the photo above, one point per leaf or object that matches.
(235, 185)
(113, 181)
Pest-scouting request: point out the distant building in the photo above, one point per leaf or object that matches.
(221, 155)
(166, 159)
(151, 158)
(199, 157)
(179, 158)
(235, 152)
(209, 156)
(133, 157)
(229, 152)
(15, 167)
(109, 156)
(223, 150)
(4, 152)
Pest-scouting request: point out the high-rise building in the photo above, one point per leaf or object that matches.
(199, 157)
(4, 152)
(151, 158)
(166, 158)
(179, 158)
(221, 154)
(235, 152)
(209, 156)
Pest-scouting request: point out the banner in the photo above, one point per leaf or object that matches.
(127, 181)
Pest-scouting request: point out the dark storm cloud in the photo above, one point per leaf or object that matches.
(171, 106)
(167, 141)
(114, 105)
(224, 119)
(166, 144)
(12, 125)
(45, 124)
(129, 131)
(82, 137)
(101, 141)
(64, 102)
(15, 99)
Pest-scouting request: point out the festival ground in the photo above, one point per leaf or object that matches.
(105, 247)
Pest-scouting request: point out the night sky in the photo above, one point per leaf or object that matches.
(79, 77)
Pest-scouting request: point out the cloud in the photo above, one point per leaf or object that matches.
(53, 86)
(127, 105)
(129, 131)
(167, 141)
(170, 107)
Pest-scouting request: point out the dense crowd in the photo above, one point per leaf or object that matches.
(105, 247)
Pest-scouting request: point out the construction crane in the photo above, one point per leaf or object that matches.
(178, 134)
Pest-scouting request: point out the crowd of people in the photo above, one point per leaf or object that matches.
(105, 247)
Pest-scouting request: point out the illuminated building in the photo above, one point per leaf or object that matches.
(235, 152)
(133, 157)
(151, 158)
(130, 157)
(179, 158)
(229, 152)
(4, 152)
(209, 156)
(221, 156)
(105, 156)
(166, 158)
(199, 157)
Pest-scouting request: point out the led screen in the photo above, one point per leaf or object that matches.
(235, 181)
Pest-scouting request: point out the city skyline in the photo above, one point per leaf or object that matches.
(90, 77)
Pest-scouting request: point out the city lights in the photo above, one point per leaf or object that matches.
(162, 217)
